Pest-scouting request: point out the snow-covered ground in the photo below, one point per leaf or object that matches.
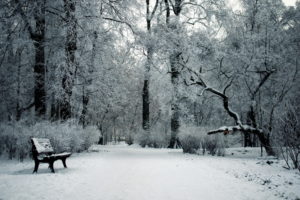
(119, 172)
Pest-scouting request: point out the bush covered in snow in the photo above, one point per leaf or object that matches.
(194, 139)
(15, 137)
(214, 144)
(155, 139)
(190, 140)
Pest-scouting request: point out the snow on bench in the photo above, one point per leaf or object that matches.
(43, 152)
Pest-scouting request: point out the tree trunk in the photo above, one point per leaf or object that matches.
(175, 59)
(83, 117)
(70, 49)
(39, 68)
(38, 38)
(54, 112)
(146, 103)
(175, 123)
(39, 71)
(18, 108)
(266, 143)
(248, 137)
(88, 81)
(146, 113)
(101, 138)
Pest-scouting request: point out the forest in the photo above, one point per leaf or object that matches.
(190, 74)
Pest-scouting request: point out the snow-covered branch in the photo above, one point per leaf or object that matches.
(228, 129)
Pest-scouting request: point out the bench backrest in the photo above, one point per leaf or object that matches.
(41, 145)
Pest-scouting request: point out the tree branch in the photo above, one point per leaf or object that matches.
(227, 129)
(120, 21)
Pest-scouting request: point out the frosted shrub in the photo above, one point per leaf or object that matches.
(159, 139)
(90, 136)
(14, 141)
(194, 139)
(129, 139)
(153, 139)
(142, 138)
(190, 139)
(214, 145)
(190, 144)
(15, 137)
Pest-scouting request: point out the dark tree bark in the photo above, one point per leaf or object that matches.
(39, 67)
(146, 103)
(38, 38)
(18, 110)
(250, 139)
(70, 49)
(39, 71)
(175, 123)
(149, 49)
(83, 116)
(175, 59)
(146, 112)
(88, 81)
(54, 112)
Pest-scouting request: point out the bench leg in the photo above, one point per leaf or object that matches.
(51, 162)
(64, 162)
(36, 166)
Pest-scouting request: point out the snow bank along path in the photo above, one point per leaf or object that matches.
(132, 173)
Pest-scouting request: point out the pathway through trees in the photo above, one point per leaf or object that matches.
(121, 173)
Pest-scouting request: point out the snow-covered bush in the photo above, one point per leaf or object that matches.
(214, 144)
(15, 137)
(194, 139)
(129, 139)
(14, 141)
(190, 139)
(155, 139)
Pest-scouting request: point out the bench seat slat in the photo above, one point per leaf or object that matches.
(64, 154)
(54, 156)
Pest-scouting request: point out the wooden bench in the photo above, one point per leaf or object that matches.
(43, 152)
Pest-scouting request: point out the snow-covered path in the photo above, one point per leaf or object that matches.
(132, 173)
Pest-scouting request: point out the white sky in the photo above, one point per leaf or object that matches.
(236, 5)
(290, 2)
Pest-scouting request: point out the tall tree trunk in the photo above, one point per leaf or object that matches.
(175, 123)
(70, 49)
(18, 108)
(39, 68)
(39, 89)
(266, 143)
(38, 38)
(86, 90)
(85, 101)
(175, 59)
(251, 120)
(146, 103)
(54, 112)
